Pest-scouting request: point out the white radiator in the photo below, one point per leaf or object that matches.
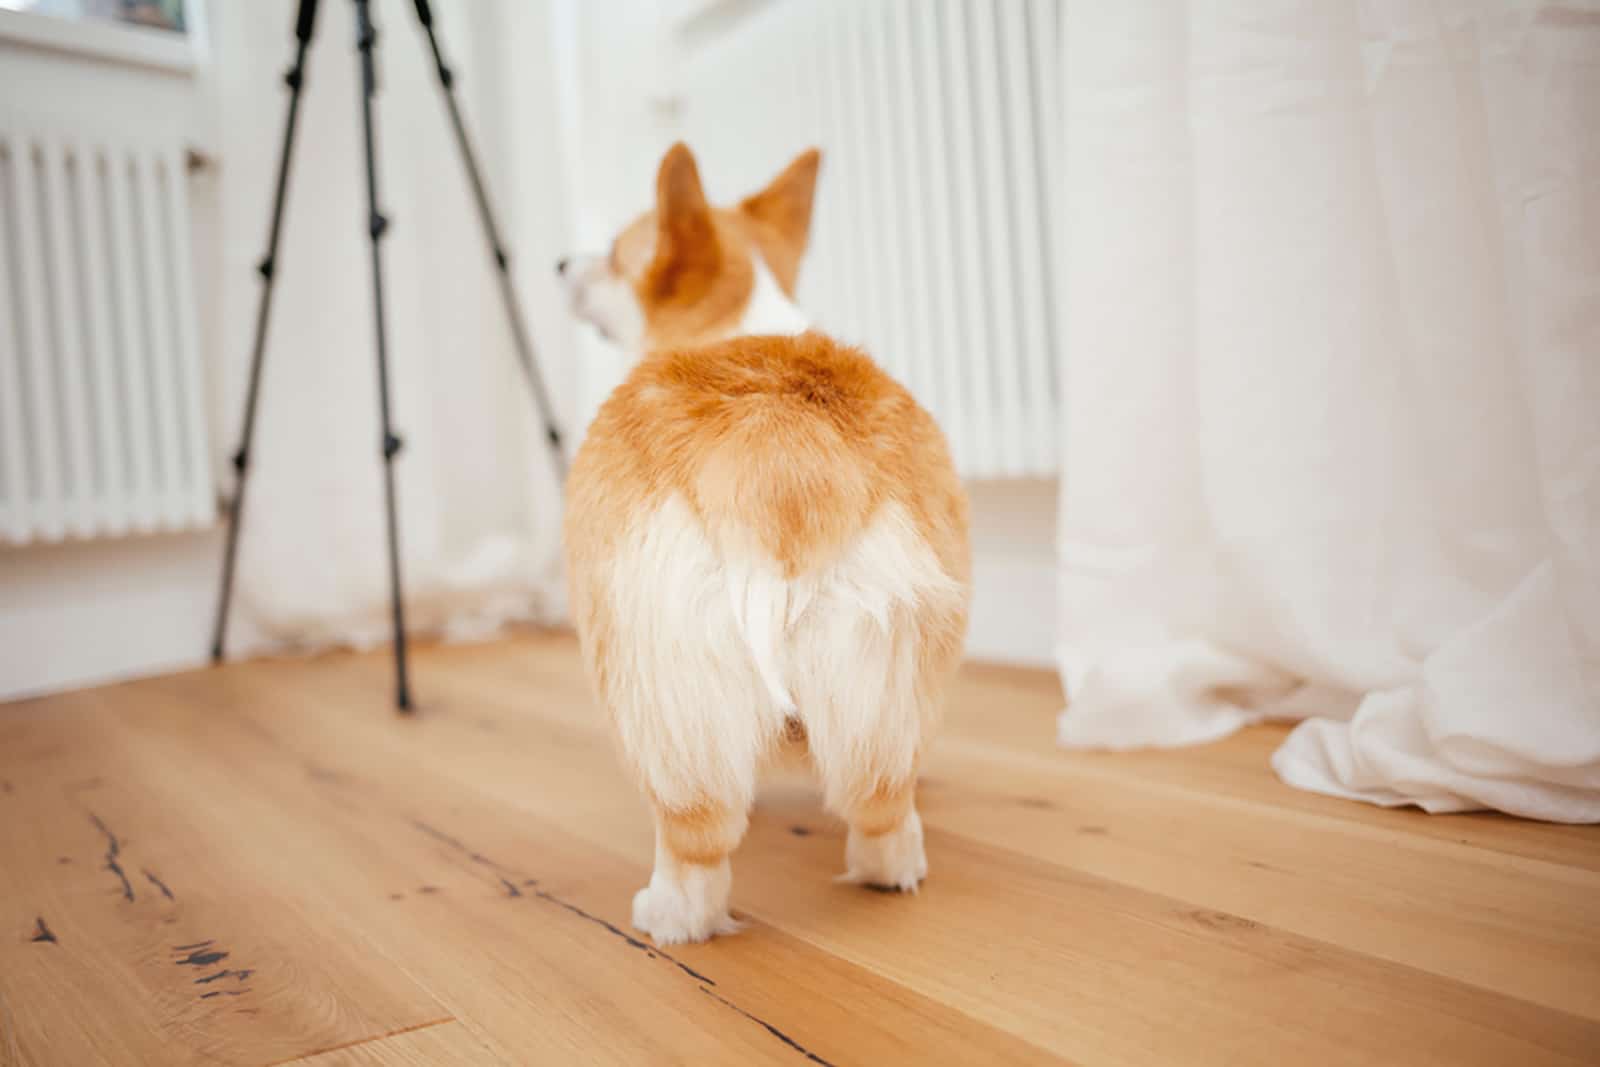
(931, 242)
(101, 428)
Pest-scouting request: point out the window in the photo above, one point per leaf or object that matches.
(160, 14)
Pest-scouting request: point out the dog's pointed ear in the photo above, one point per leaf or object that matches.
(686, 238)
(781, 214)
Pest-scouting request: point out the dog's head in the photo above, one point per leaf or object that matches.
(686, 272)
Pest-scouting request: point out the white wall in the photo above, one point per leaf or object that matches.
(570, 145)
(1013, 572)
(78, 614)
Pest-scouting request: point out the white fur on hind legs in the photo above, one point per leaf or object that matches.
(685, 902)
(718, 653)
(894, 860)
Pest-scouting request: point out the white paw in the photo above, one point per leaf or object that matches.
(691, 908)
(894, 860)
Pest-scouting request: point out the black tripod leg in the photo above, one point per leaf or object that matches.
(502, 262)
(267, 269)
(366, 39)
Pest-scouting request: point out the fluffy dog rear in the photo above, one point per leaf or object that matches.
(760, 530)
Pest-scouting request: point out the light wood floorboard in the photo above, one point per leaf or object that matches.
(263, 864)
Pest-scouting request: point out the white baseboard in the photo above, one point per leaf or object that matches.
(80, 614)
(74, 615)
(1013, 572)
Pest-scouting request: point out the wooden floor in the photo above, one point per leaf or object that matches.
(263, 865)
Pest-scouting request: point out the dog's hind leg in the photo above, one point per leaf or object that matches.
(687, 898)
(865, 719)
(695, 746)
(693, 714)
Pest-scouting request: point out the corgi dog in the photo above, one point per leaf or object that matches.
(766, 546)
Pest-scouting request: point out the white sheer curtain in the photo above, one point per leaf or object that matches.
(1332, 375)
(480, 516)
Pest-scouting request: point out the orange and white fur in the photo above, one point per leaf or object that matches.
(765, 540)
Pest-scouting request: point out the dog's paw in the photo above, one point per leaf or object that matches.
(672, 915)
(894, 861)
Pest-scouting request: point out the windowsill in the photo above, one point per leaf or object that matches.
(96, 39)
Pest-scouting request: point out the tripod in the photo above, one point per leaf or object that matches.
(377, 228)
